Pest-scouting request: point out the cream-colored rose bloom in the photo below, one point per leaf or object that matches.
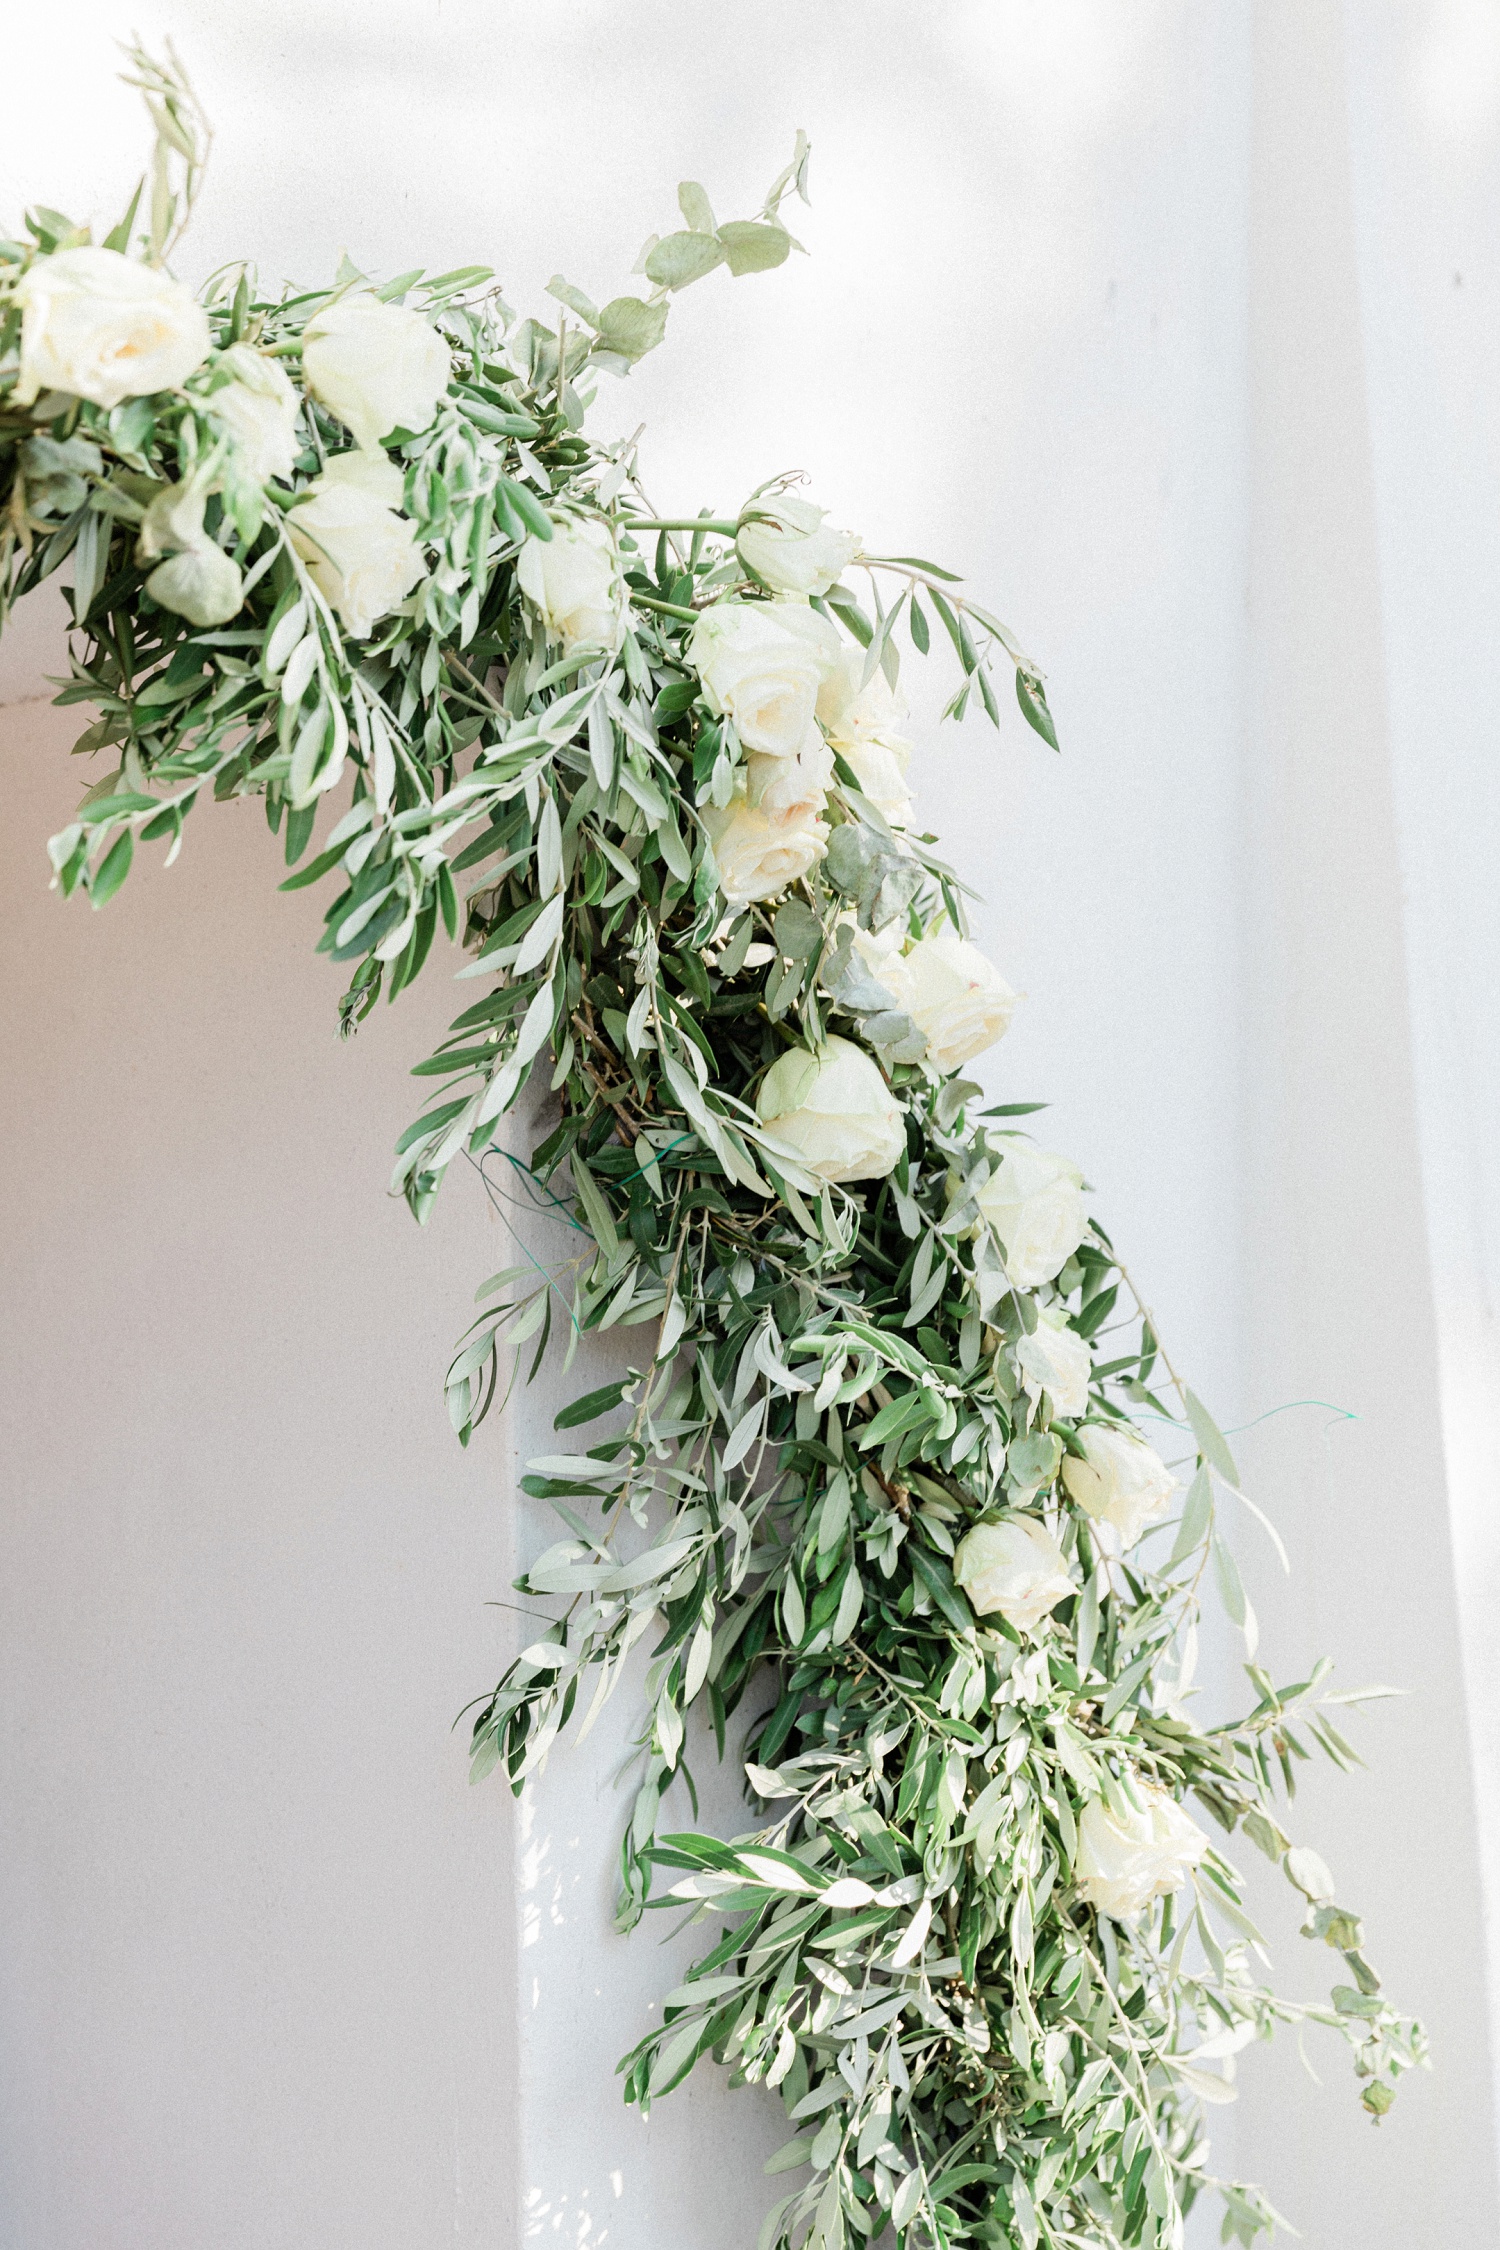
(1034, 1203)
(854, 709)
(1120, 1481)
(258, 410)
(772, 832)
(761, 664)
(1056, 1359)
(574, 580)
(878, 948)
(1127, 1859)
(957, 998)
(782, 785)
(875, 948)
(201, 584)
(377, 367)
(758, 853)
(361, 554)
(1015, 1567)
(104, 327)
(862, 719)
(879, 766)
(834, 1112)
(791, 549)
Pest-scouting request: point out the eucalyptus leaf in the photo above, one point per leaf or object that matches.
(752, 247)
(631, 327)
(682, 258)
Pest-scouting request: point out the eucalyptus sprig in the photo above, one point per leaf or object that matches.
(871, 1478)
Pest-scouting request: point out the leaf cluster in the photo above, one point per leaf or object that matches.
(830, 1393)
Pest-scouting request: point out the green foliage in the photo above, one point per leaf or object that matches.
(834, 1392)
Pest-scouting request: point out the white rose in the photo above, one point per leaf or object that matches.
(761, 664)
(791, 551)
(1016, 1567)
(1120, 1481)
(1034, 1203)
(1127, 1859)
(201, 584)
(377, 367)
(758, 853)
(258, 409)
(834, 1112)
(854, 709)
(957, 999)
(782, 785)
(1055, 1359)
(879, 766)
(861, 719)
(104, 327)
(875, 948)
(573, 580)
(879, 948)
(361, 554)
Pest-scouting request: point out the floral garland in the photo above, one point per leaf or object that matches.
(651, 772)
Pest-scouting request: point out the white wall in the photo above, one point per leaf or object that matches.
(1425, 135)
(273, 1975)
(257, 1968)
(1338, 1301)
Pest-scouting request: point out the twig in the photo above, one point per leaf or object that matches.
(667, 609)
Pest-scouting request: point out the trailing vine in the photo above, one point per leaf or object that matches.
(874, 1479)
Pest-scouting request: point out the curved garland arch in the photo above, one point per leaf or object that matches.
(650, 773)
